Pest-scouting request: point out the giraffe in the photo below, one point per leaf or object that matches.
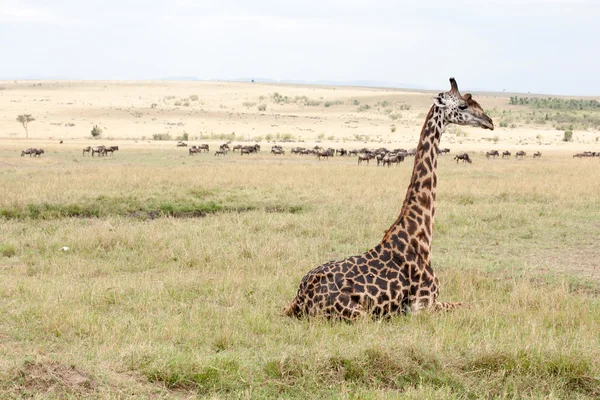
(395, 276)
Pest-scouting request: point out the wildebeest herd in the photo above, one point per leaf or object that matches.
(32, 152)
(587, 154)
(382, 156)
(100, 150)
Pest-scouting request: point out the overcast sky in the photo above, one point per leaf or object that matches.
(541, 46)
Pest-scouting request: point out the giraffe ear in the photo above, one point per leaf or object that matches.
(439, 101)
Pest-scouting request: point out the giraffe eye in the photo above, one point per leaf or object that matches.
(463, 107)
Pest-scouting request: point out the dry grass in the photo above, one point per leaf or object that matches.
(170, 304)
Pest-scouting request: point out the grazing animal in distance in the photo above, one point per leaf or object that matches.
(99, 149)
(28, 151)
(86, 150)
(520, 153)
(492, 153)
(505, 154)
(395, 276)
(220, 152)
(464, 157)
(364, 157)
(537, 154)
(38, 152)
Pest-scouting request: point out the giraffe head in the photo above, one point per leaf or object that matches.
(461, 109)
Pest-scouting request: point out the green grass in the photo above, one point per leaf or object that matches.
(182, 299)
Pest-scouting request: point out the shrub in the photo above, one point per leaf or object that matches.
(186, 104)
(183, 136)
(503, 124)
(364, 107)
(96, 131)
(153, 105)
(161, 136)
(568, 136)
(355, 102)
(262, 107)
(177, 103)
(194, 97)
(248, 104)
(393, 128)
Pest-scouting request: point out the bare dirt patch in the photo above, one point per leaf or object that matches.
(52, 377)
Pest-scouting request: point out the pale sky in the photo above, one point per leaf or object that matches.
(538, 46)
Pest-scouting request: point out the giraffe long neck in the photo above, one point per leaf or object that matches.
(414, 226)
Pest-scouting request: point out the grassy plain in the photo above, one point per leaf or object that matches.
(178, 267)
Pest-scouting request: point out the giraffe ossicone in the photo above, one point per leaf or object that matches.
(395, 276)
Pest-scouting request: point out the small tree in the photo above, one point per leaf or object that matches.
(96, 131)
(568, 136)
(24, 119)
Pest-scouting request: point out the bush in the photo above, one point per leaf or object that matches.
(393, 128)
(177, 103)
(262, 107)
(355, 102)
(183, 136)
(161, 136)
(364, 107)
(503, 124)
(194, 97)
(96, 131)
(568, 136)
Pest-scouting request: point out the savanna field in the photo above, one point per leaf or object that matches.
(178, 267)
(155, 274)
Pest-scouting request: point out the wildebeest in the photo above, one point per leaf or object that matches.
(505, 154)
(86, 150)
(28, 151)
(181, 144)
(537, 154)
(364, 157)
(220, 152)
(492, 153)
(325, 154)
(520, 153)
(250, 149)
(464, 157)
(38, 152)
(110, 150)
(98, 149)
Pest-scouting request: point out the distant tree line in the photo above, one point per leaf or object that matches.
(555, 103)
